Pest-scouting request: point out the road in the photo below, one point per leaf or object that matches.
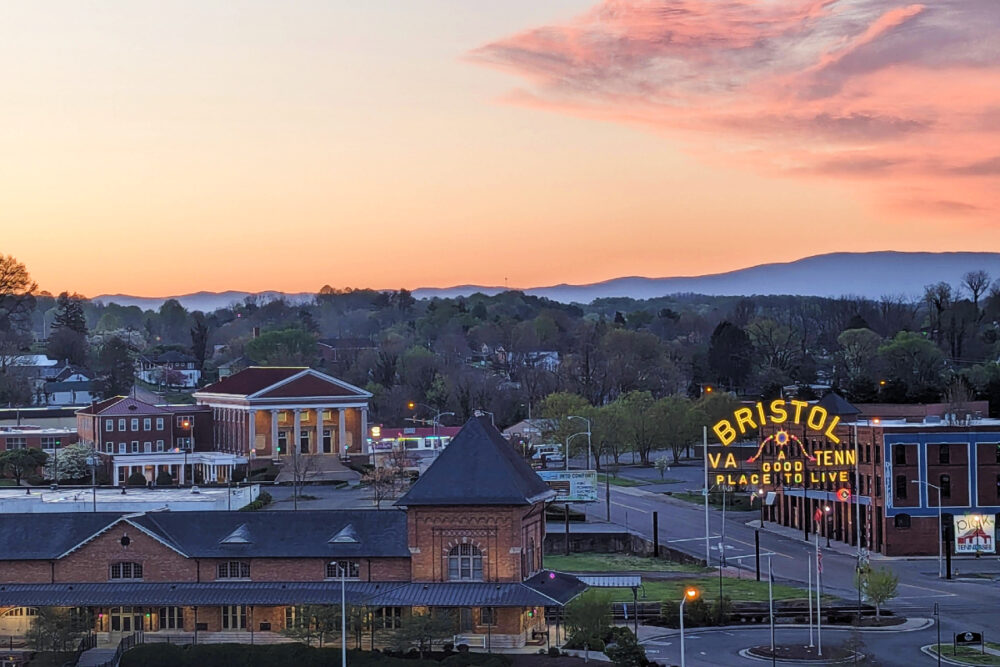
(964, 604)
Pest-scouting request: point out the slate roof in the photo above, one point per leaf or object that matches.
(122, 406)
(388, 594)
(835, 404)
(478, 467)
(203, 534)
(311, 385)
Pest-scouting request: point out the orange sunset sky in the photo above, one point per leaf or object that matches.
(157, 148)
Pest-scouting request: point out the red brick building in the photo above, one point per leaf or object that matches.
(466, 538)
(902, 461)
(37, 437)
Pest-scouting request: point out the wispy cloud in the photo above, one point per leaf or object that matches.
(831, 88)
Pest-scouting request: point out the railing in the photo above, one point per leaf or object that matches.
(127, 642)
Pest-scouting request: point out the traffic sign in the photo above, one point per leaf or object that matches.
(843, 495)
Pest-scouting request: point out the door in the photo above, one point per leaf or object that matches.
(234, 617)
(126, 619)
(465, 619)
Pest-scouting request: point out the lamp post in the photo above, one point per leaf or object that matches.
(689, 594)
(940, 537)
(586, 433)
(92, 461)
(189, 425)
(590, 451)
(826, 524)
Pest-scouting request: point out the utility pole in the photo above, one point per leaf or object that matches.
(708, 547)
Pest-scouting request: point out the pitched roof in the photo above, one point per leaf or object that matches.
(478, 467)
(311, 385)
(173, 357)
(210, 534)
(123, 406)
(835, 404)
(251, 380)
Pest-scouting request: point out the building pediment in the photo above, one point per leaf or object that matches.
(284, 384)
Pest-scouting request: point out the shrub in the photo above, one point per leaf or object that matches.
(553, 652)
(136, 479)
(164, 478)
(239, 474)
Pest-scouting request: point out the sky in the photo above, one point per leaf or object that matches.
(155, 148)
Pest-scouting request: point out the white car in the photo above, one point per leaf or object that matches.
(548, 453)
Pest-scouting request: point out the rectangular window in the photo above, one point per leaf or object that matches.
(184, 443)
(335, 567)
(234, 569)
(51, 443)
(944, 454)
(171, 618)
(147, 425)
(878, 487)
(159, 445)
(944, 481)
(234, 617)
(17, 443)
(159, 423)
(109, 425)
(126, 570)
(121, 424)
(135, 424)
(389, 618)
(488, 616)
(109, 447)
(135, 446)
(899, 457)
(901, 487)
(122, 447)
(147, 447)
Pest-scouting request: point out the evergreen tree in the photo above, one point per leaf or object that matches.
(114, 367)
(70, 314)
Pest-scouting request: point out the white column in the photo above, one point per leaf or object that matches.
(341, 431)
(319, 431)
(298, 430)
(274, 432)
(252, 431)
(364, 430)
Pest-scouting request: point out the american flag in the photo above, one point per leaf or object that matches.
(819, 562)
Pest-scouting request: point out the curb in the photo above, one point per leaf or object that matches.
(948, 661)
(924, 623)
(745, 653)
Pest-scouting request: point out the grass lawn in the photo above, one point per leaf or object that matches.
(625, 481)
(734, 503)
(748, 590)
(51, 658)
(589, 562)
(7, 482)
(970, 655)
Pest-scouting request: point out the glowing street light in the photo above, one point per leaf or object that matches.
(690, 593)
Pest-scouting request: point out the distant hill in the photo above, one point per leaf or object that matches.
(870, 274)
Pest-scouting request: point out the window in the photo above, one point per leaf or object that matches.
(159, 445)
(147, 425)
(135, 446)
(944, 481)
(122, 447)
(998, 487)
(135, 424)
(902, 521)
(126, 571)
(282, 441)
(50, 442)
(899, 455)
(327, 441)
(304, 442)
(159, 423)
(109, 447)
(17, 443)
(335, 567)
(465, 563)
(388, 617)
(234, 617)
(184, 443)
(944, 454)
(488, 616)
(109, 425)
(147, 447)
(998, 453)
(878, 486)
(121, 424)
(171, 618)
(234, 569)
(901, 487)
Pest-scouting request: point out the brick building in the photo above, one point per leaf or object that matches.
(904, 454)
(467, 537)
(28, 435)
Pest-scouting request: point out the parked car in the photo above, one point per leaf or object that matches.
(549, 453)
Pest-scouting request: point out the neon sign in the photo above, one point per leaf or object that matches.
(777, 412)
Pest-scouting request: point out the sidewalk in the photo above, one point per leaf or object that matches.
(653, 632)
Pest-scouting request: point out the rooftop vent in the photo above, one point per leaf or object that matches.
(346, 535)
(239, 536)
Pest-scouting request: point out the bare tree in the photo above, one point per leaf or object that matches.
(977, 282)
(938, 297)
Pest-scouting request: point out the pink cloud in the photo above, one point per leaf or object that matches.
(831, 88)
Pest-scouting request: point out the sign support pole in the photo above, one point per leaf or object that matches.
(708, 547)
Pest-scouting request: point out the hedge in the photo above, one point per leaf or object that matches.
(263, 499)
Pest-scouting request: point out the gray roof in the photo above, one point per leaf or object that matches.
(478, 467)
(388, 594)
(211, 534)
(835, 404)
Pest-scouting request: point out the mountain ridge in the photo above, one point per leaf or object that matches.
(866, 274)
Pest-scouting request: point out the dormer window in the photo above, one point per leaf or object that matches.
(126, 571)
(351, 569)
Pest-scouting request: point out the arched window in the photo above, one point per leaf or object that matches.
(465, 563)
(902, 521)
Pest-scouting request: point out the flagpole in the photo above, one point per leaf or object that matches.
(809, 571)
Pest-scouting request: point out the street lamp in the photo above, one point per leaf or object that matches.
(590, 452)
(690, 593)
(826, 521)
(412, 405)
(567, 446)
(940, 537)
(189, 425)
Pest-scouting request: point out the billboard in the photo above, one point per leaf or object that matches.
(975, 533)
(571, 486)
